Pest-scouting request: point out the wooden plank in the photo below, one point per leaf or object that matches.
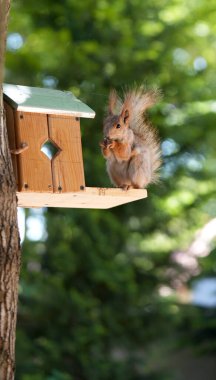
(10, 122)
(67, 166)
(34, 167)
(91, 197)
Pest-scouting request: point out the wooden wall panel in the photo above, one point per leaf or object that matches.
(34, 167)
(67, 166)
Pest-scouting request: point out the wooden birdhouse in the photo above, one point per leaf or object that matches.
(45, 142)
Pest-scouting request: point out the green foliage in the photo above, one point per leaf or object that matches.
(90, 305)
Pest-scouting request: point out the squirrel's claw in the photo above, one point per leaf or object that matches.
(125, 187)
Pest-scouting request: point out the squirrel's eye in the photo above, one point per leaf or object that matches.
(118, 126)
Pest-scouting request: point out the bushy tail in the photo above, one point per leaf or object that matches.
(137, 101)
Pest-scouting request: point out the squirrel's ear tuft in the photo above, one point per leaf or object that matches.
(125, 115)
(113, 98)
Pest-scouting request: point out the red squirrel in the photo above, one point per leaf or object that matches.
(131, 145)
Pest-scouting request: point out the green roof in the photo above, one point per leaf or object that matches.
(44, 100)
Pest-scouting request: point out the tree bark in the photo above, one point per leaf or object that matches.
(9, 235)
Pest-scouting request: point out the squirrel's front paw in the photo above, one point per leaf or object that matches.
(106, 148)
(107, 143)
(101, 144)
(111, 144)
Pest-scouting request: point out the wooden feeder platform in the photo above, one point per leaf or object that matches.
(90, 197)
(45, 141)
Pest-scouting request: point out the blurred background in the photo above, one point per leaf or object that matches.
(127, 293)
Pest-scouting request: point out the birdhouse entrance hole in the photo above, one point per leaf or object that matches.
(50, 149)
(45, 141)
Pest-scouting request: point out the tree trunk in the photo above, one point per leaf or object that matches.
(9, 236)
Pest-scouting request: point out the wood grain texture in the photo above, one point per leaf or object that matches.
(67, 166)
(33, 166)
(91, 197)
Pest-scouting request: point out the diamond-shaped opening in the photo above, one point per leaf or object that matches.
(50, 149)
